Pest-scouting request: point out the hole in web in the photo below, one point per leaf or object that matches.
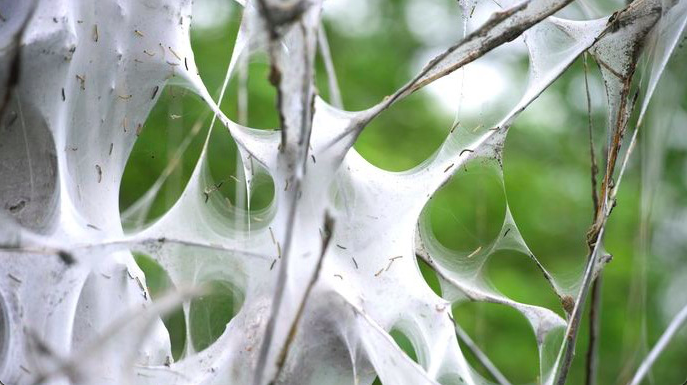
(404, 343)
(159, 283)
(261, 96)
(168, 130)
(28, 191)
(474, 220)
(221, 31)
(170, 143)
(357, 31)
(210, 313)
(228, 178)
(430, 276)
(548, 164)
(518, 277)
(489, 325)
(405, 135)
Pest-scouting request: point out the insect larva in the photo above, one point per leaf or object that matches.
(95, 33)
(174, 53)
(14, 277)
(100, 172)
(18, 207)
(125, 97)
(155, 91)
(339, 276)
(355, 263)
(186, 64)
(313, 158)
(124, 123)
(477, 250)
(82, 79)
(391, 260)
(272, 235)
(453, 128)
(139, 128)
(340, 247)
(506, 233)
(63, 96)
(379, 272)
(151, 54)
(272, 265)
(278, 249)
(111, 146)
(449, 167)
(466, 150)
(139, 33)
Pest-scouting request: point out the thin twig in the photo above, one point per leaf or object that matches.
(608, 191)
(126, 242)
(594, 315)
(592, 156)
(279, 293)
(332, 82)
(594, 330)
(481, 357)
(479, 35)
(665, 339)
(281, 360)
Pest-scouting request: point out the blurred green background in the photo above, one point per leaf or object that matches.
(376, 47)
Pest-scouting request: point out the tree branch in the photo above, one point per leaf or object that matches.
(481, 357)
(673, 327)
(594, 331)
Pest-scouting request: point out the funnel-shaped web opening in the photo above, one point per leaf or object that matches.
(159, 284)
(210, 313)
